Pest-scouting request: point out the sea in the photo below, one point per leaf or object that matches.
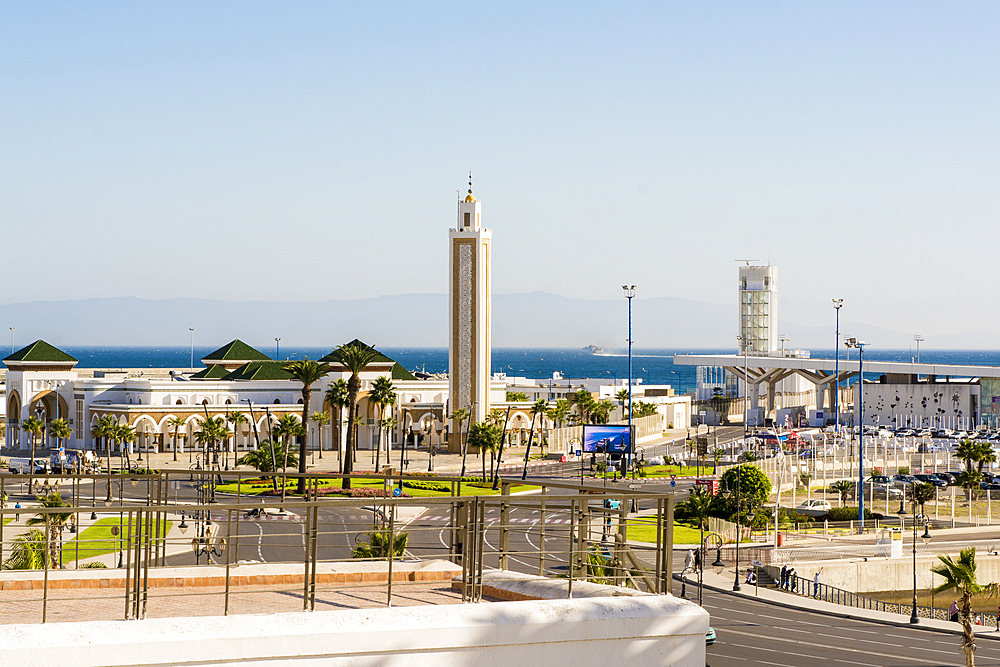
(653, 366)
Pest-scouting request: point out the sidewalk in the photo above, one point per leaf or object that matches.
(723, 583)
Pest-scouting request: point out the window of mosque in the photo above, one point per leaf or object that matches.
(468, 219)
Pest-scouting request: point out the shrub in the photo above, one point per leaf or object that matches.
(94, 564)
(427, 486)
(845, 514)
(903, 470)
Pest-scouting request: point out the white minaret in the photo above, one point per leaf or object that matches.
(469, 314)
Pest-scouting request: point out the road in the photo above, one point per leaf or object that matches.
(758, 633)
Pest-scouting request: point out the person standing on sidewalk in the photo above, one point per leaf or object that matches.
(953, 611)
(784, 577)
(816, 584)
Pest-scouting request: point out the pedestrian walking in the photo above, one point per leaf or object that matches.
(689, 561)
(783, 581)
(816, 584)
(697, 560)
(953, 611)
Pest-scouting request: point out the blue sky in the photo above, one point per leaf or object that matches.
(308, 151)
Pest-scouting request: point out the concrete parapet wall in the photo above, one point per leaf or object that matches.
(637, 630)
(239, 575)
(886, 574)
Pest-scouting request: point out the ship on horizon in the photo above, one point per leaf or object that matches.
(595, 349)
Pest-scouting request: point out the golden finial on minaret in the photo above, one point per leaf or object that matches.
(470, 198)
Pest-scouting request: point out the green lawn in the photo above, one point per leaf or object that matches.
(680, 471)
(97, 540)
(468, 488)
(641, 531)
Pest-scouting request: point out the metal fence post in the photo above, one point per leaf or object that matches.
(504, 524)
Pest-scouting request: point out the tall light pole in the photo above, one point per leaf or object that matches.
(783, 339)
(629, 293)
(12, 340)
(746, 384)
(917, 340)
(860, 345)
(277, 349)
(191, 329)
(837, 303)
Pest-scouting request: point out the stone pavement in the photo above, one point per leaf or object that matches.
(25, 606)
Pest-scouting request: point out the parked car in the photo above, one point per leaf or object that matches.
(905, 480)
(929, 447)
(930, 478)
(22, 466)
(947, 477)
(814, 507)
(710, 636)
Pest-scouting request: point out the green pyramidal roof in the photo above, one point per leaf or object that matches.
(40, 352)
(400, 373)
(237, 351)
(213, 372)
(260, 370)
(334, 357)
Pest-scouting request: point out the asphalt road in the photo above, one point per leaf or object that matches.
(758, 633)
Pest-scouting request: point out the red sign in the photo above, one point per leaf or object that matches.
(711, 484)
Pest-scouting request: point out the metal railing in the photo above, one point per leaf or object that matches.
(805, 587)
(563, 531)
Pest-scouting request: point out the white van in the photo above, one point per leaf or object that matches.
(22, 466)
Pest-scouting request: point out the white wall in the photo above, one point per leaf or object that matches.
(636, 631)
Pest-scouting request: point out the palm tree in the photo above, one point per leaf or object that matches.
(54, 523)
(388, 425)
(355, 357)
(844, 488)
(308, 373)
(336, 397)
(61, 430)
(584, 402)
(176, 422)
(699, 505)
(236, 420)
(460, 415)
(263, 459)
(287, 428)
(321, 419)
(382, 393)
(960, 576)
(540, 407)
(124, 434)
(213, 431)
(35, 427)
(487, 437)
(558, 412)
(923, 493)
(104, 427)
(27, 551)
(622, 397)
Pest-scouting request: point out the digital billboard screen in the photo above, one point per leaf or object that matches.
(606, 439)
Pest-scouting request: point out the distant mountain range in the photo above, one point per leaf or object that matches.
(535, 319)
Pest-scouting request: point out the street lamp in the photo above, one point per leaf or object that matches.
(926, 537)
(277, 349)
(783, 339)
(860, 345)
(191, 329)
(629, 294)
(746, 384)
(718, 565)
(917, 340)
(837, 303)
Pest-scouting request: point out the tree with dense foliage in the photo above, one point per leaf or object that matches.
(754, 489)
(381, 546)
(307, 372)
(584, 402)
(516, 397)
(697, 507)
(960, 576)
(558, 412)
(923, 493)
(236, 419)
(643, 409)
(288, 427)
